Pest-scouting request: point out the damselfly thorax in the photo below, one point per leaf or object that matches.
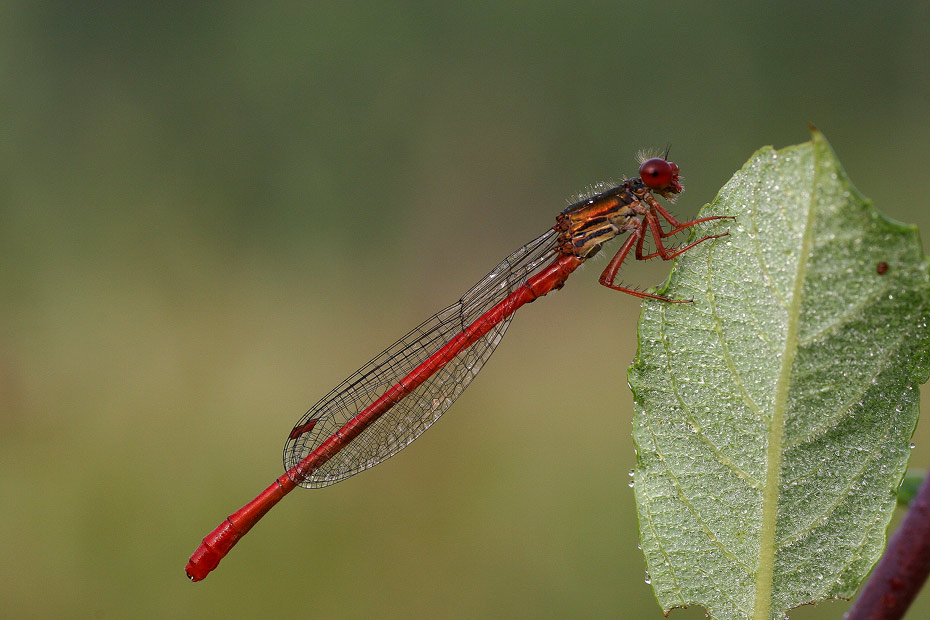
(588, 224)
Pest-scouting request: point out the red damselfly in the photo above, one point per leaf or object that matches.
(392, 399)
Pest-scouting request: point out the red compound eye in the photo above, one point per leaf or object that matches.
(658, 173)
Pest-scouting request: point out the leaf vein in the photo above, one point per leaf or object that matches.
(715, 450)
(731, 367)
(770, 281)
(762, 608)
(658, 540)
(844, 496)
(850, 313)
(696, 513)
(834, 420)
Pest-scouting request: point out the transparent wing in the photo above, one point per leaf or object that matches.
(407, 419)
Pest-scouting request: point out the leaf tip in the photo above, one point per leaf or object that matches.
(816, 134)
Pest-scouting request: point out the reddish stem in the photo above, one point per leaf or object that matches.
(903, 568)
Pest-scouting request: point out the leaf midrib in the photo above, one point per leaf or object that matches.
(762, 606)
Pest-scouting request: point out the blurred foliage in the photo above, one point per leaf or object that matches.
(909, 486)
(203, 205)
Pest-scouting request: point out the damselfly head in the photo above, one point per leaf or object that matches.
(661, 176)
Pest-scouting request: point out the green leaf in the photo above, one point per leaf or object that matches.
(909, 487)
(773, 413)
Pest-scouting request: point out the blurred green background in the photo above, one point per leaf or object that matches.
(210, 214)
